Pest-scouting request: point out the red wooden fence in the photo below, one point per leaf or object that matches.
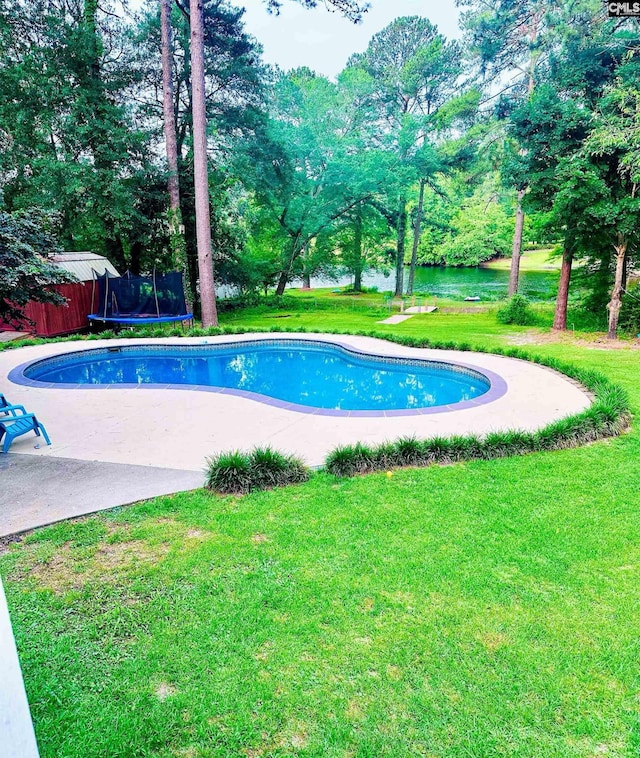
(53, 320)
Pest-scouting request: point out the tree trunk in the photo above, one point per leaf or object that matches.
(95, 48)
(297, 247)
(306, 266)
(560, 316)
(96, 107)
(200, 173)
(96, 97)
(416, 238)
(616, 295)
(357, 251)
(169, 116)
(402, 230)
(514, 276)
(177, 243)
(282, 283)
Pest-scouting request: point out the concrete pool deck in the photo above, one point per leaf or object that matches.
(176, 429)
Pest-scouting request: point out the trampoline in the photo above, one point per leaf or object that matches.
(132, 300)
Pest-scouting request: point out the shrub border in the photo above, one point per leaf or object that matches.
(262, 468)
(608, 415)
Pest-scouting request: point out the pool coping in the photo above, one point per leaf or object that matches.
(497, 385)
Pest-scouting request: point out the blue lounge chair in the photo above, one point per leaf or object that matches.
(11, 410)
(7, 409)
(18, 424)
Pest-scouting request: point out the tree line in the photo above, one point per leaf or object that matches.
(161, 139)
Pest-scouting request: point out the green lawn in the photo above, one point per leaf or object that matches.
(542, 259)
(531, 260)
(481, 609)
(476, 327)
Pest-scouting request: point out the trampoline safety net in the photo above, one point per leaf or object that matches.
(136, 299)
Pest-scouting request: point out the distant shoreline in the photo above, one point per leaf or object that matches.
(531, 260)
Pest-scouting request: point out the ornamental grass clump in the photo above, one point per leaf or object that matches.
(229, 473)
(384, 456)
(350, 460)
(270, 468)
(237, 473)
(460, 447)
(438, 450)
(408, 452)
(505, 443)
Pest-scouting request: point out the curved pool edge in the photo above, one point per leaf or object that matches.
(497, 385)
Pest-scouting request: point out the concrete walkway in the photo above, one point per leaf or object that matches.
(38, 490)
(397, 319)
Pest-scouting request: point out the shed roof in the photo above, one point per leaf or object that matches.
(83, 265)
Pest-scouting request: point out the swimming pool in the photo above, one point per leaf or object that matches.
(298, 374)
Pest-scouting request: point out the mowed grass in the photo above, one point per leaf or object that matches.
(531, 260)
(476, 328)
(480, 609)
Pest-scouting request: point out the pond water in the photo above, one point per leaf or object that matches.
(458, 283)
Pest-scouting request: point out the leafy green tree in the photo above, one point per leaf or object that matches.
(454, 151)
(234, 100)
(413, 72)
(507, 37)
(553, 127)
(305, 168)
(439, 207)
(71, 145)
(362, 241)
(176, 227)
(27, 244)
(615, 138)
(480, 230)
(199, 13)
(258, 262)
(580, 187)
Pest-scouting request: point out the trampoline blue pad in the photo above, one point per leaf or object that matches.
(139, 319)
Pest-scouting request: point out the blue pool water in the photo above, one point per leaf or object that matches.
(319, 375)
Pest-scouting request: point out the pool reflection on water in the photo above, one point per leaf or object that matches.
(318, 375)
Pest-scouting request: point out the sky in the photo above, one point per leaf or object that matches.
(324, 41)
